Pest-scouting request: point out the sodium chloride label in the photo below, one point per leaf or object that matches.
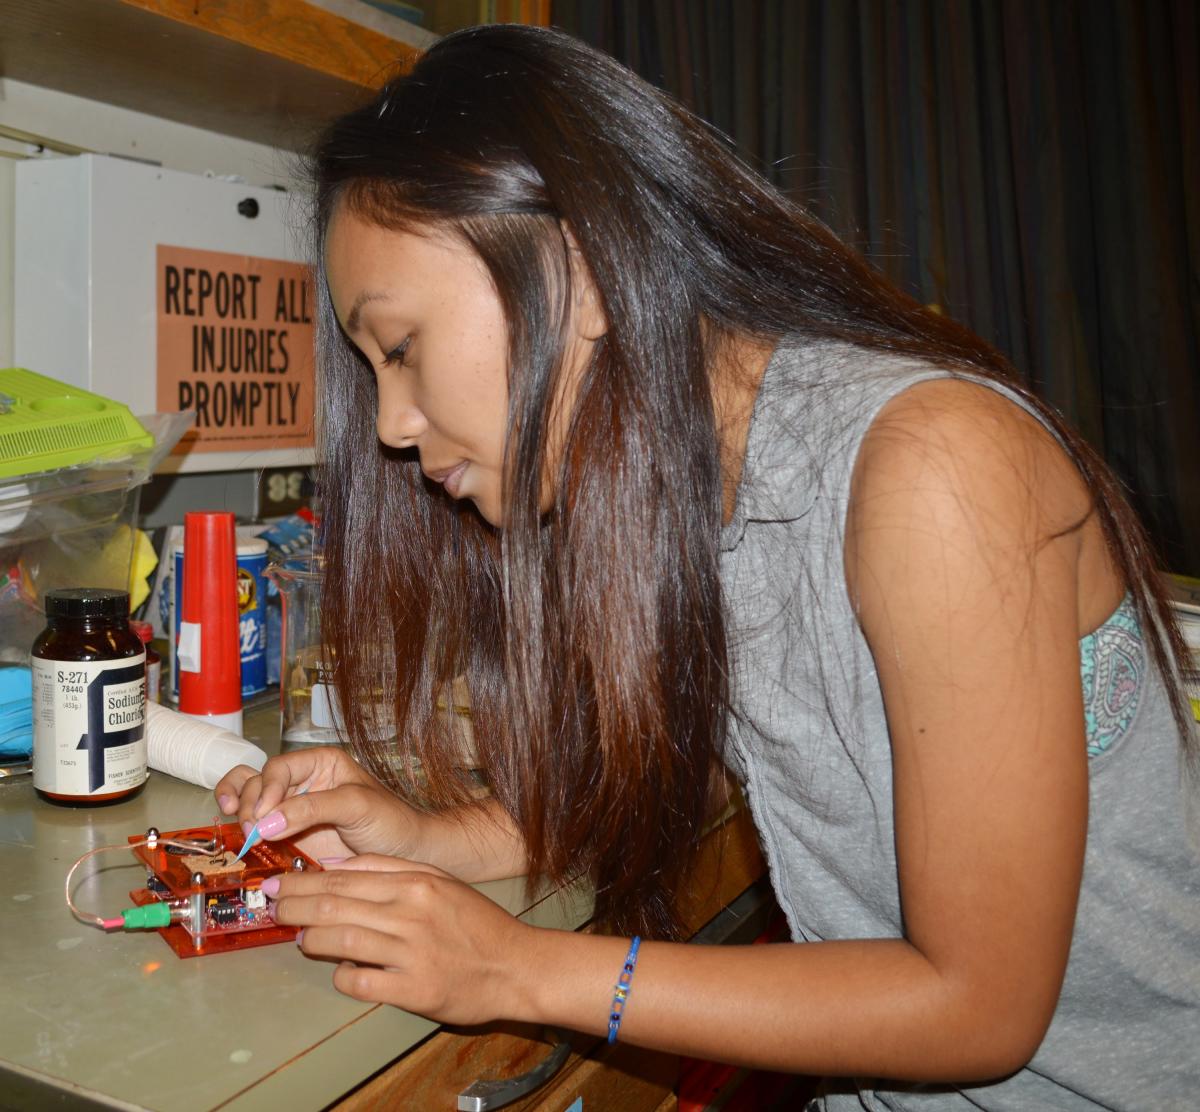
(89, 725)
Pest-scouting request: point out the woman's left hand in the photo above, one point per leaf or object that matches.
(406, 934)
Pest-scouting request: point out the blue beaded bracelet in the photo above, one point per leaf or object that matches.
(621, 990)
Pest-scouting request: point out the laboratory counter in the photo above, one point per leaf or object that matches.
(115, 1020)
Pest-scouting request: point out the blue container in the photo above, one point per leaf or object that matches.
(252, 613)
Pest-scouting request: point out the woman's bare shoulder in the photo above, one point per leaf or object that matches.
(959, 437)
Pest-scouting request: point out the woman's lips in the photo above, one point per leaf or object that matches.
(454, 480)
(451, 479)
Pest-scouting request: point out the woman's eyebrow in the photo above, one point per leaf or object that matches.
(352, 318)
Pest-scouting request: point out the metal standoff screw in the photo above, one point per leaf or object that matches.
(198, 879)
(298, 864)
(152, 834)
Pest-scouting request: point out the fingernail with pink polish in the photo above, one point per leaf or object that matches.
(226, 803)
(332, 860)
(273, 824)
(300, 938)
(247, 826)
(270, 887)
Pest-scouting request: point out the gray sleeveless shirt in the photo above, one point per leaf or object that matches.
(809, 743)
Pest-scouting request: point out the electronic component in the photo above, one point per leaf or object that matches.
(209, 844)
(156, 886)
(209, 902)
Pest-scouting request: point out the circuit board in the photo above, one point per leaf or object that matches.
(221, 898)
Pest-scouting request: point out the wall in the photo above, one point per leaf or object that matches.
(109, 130)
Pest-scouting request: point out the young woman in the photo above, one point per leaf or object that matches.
(672, 478)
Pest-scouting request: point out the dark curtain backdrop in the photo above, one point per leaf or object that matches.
(1031, 166)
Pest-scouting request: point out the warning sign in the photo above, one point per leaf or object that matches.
(235, 344)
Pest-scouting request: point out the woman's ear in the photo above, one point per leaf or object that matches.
(588, 319)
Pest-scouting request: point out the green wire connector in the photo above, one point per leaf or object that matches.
(147, 917)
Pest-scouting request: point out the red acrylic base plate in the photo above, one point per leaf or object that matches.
(185, 946)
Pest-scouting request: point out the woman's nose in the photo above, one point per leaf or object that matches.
(399, 421)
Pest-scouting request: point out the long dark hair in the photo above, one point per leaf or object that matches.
(592, 636)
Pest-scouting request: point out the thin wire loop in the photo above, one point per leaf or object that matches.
(96, 920)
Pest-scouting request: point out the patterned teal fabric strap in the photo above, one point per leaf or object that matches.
(1113, 665)
(621, 990)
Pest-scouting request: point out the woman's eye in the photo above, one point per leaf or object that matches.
(396, 356)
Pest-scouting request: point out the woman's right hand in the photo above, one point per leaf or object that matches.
(344, 812)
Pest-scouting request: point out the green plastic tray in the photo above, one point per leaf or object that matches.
(45, 424)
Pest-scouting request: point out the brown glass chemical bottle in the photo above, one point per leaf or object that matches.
(89, 700)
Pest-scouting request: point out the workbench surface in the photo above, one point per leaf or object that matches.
(95, 1020)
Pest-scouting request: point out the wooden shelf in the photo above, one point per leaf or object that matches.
(272, 71)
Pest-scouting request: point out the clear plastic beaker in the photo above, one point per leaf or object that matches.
(307, 699)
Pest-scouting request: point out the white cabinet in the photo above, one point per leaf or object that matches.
(168, 291)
